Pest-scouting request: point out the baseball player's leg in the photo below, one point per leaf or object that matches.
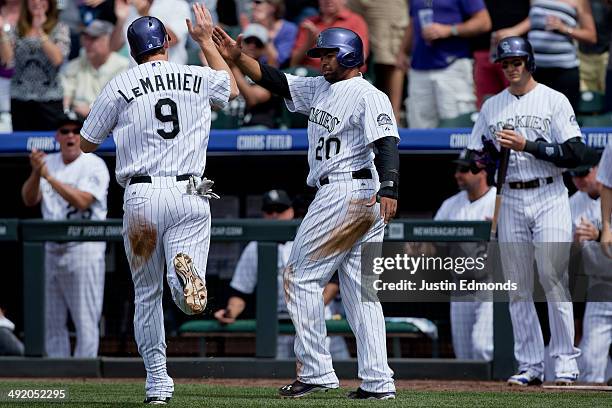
(314, 257)
(186, 245)
(454, 89)
(57, 343)
(517, 257)
(482, 332)
(462, 322)
(366, 317)
(595, 343)
(552, 237)
(143, 223)
(422, 104)
(85, 285)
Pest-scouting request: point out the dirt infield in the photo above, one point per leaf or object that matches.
(405, 385)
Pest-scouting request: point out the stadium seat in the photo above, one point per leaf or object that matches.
(603, 120)
(465, 120)
(223, 120)
(591, 103)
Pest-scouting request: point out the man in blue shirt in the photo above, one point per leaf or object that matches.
(440, 84)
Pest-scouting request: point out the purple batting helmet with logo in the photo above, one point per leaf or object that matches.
(516, 47)
(346, 42)
(146, 34)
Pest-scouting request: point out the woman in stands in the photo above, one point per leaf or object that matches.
(37, 50)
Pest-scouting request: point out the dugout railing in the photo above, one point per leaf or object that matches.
(34, 233)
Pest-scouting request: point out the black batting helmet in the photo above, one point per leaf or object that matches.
(516, 47)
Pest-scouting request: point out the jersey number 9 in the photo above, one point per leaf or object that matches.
(171, 117)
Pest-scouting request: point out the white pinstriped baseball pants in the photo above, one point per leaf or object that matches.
(74, 279)
(540, 216)
(472, 330)
(595, 343)
(336, 206)
(182, 224)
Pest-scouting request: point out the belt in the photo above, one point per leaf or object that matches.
(520, 185)
(363, 174)
(147, 179)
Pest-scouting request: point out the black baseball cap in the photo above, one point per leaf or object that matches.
(466, 158)
(591, 159)
(70, 117)
(275, 201)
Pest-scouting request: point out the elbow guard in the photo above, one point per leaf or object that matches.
(274, 80)
(566, 155)
(387, 165)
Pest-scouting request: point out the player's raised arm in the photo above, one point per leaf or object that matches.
(263, 75)
(202, 32)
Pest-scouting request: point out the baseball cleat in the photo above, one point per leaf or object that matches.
(299, 389)
(157, 400)
(367, 395)
(566, 379)
(194, 289)
(524, 379)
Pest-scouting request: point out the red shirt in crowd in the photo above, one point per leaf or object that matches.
(344, 19)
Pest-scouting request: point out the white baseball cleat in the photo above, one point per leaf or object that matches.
(194, 289)
(566, 379)
(524, 379)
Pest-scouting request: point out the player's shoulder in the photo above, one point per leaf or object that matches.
(548, 94)
(493, 101)
(455, 201)
(578, 198)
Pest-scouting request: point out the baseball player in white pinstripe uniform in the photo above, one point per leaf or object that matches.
(159, 113)
(348, 120)
(604, 176)
(70, 185)
(535, 207)
(597, 322)
(471, 321)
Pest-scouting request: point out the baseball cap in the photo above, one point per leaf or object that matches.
(98, 28)
(466, 158)
(70, 117)
(591, 159)
(275, 201)
(256, 31)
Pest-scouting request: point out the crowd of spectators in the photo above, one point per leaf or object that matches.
(433, 58)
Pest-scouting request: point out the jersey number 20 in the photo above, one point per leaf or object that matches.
(326, 145)
(172, 117)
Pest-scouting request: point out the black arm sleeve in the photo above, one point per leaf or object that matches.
(387, 165)
(237, 293)
(274, 81)
(567, 155)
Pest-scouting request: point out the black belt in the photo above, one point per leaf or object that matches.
(363, 174)
(519, 185)
(147, 179)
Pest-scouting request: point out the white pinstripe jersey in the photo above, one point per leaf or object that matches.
(86, 173)
(245, 275)
(344, 119)
(542, 114)
(582, 205)
(159, 113)
(604, 172)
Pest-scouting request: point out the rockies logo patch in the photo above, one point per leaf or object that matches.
(383, 119)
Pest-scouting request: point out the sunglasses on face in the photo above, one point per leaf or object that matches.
(258, 1)
(515, 63)
(65, 131)
(582, 173)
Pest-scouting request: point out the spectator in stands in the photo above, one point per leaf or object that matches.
(299, 10)
(387, 21)
(10, 345)
(505, 19)
(333, 13)
(9, 15)
(76, 13)
(594, 58)
(172, 12)
(276, 205)
(281, 33)
(37, 51)
(262, 108)
(440, 82)
(70, 185)
(554, 26)
(83, 78)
